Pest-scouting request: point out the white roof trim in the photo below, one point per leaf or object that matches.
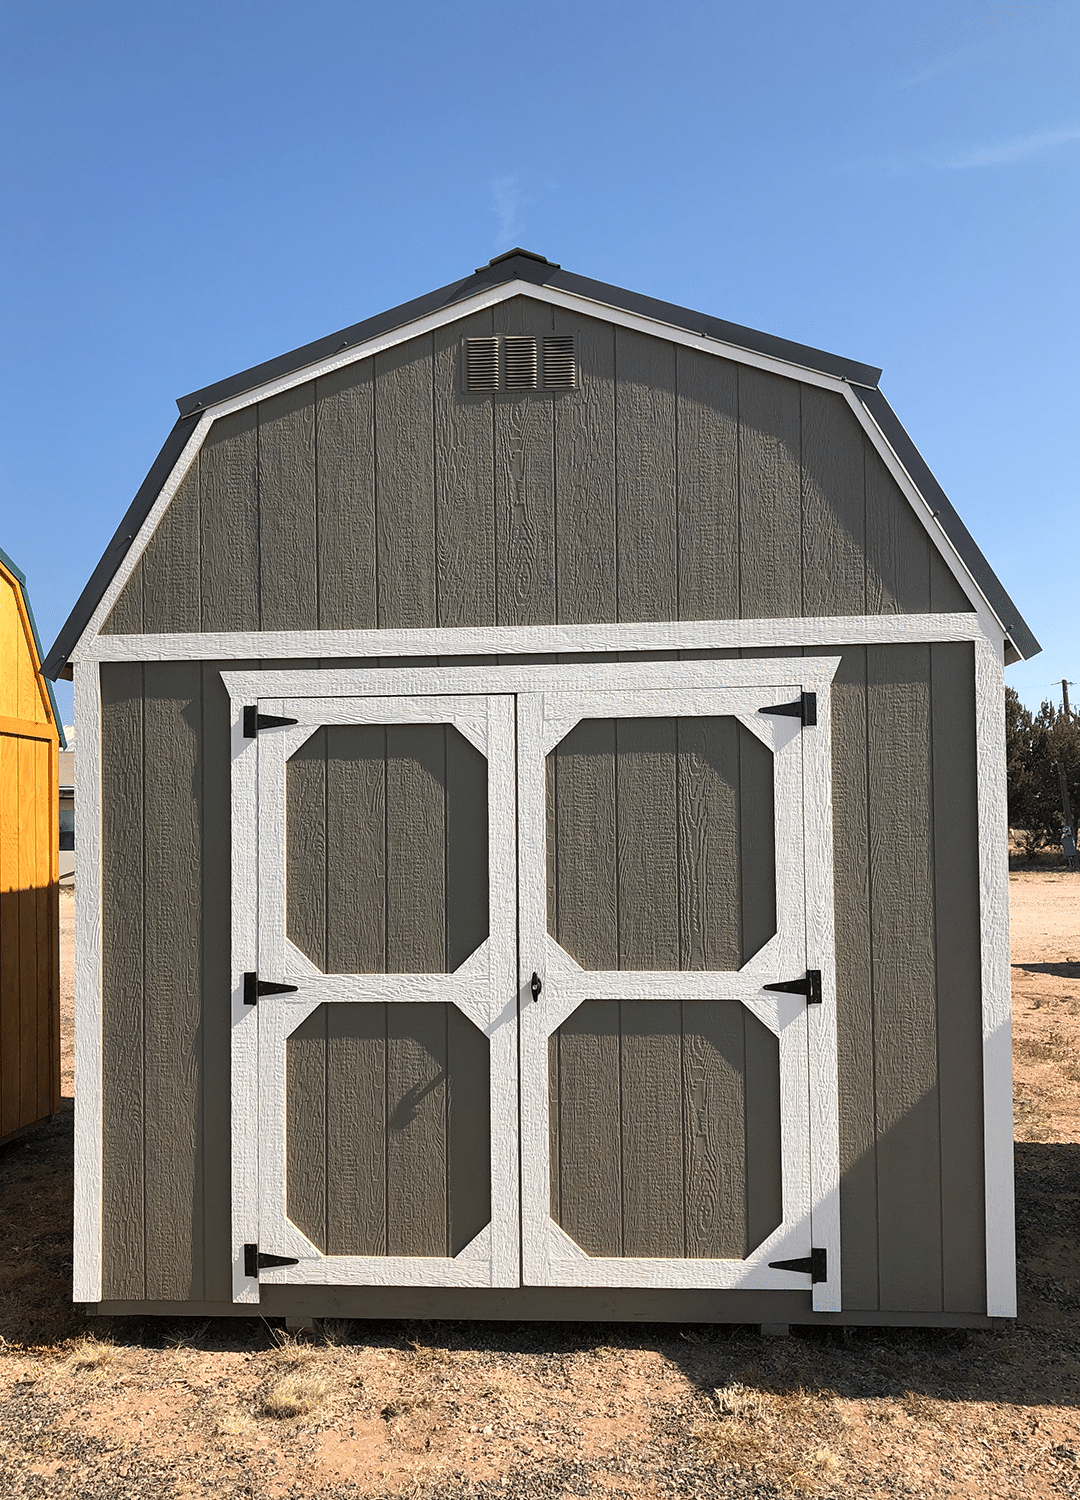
(569, 302)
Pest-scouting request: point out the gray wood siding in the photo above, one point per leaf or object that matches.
(665, 1128)
(671, 485)
(388, 1129)
(386, 835)
(661, 849)
(908, 984)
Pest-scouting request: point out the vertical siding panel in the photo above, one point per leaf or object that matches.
(126, 615)
(306, 848)
(47, 986)
(9, 934)
(585, 478)
(714, 1066)
(10, 645)
(959, 992)
(123, 984)
(416, 834)
(416, 1206)
(585, 867)
(217, 979)
(708, 843)
(28, 933)
(355, 839)
(229, 523)
(708, 498)
(306, 1135)
(524, 486)
(464, 483)
(345, 497)
(404, 486)
(770, 547)
(854, 975)
(897, 546)
(946, 595)
(902, 935)
(654, 1190)
(645, 477)
(466, 849)
(468, 1130)
(764, 1156)
(834, 506)
(288, 582)
(757, 844)
(647, 842)
(172, 582)
(356, 1130)
(589, 1135)
(173, 778)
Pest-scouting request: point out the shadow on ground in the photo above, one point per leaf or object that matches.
(1034, 1362)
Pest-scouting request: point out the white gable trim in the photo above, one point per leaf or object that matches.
(585, 307)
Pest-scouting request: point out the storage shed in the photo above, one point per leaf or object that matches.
(30, 734)
(570, 880)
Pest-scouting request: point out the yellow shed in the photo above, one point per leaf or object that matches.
(30, 737)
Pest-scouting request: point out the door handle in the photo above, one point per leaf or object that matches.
(535, 985)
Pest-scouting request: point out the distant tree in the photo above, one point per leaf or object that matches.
(1035, 746)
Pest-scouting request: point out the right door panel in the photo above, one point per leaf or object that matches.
(666, 1131)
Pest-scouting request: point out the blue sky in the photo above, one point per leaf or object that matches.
(188, 190)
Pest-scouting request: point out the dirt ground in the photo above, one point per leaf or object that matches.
(160, 1410)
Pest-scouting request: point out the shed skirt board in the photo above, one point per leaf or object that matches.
(427, 998)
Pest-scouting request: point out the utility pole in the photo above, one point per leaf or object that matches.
(1065, 696)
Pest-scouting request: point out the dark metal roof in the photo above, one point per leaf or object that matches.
(525, 265)
(20, 578)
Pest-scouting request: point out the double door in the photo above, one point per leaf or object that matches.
(533, 978)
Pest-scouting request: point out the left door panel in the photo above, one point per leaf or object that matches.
(375, 1083)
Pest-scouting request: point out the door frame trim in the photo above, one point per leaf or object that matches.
(269, 688)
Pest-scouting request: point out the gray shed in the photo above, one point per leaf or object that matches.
(542, 840)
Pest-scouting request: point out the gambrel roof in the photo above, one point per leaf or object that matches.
(521, 272)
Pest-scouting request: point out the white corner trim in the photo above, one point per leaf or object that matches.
(510, 640)
(996, 981)
(143, 535)
(86, 1285)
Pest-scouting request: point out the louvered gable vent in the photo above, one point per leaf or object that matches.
(482, 364)
(560, 362)
(511, 362)
(519, 363)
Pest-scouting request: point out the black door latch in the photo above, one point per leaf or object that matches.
(535, 985)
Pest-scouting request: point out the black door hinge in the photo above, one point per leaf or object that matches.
(815, 1265)
(804, 708)
(254, 987)
(254, 721)
(810, 987)
(254, 1262)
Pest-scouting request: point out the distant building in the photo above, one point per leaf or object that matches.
(30, 737)
(67, 808)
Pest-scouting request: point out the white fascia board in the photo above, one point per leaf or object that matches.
(569, 302)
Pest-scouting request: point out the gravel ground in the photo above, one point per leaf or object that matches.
(161, 1410)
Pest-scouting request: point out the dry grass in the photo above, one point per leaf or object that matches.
(300, 1393)
(788, 1439)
